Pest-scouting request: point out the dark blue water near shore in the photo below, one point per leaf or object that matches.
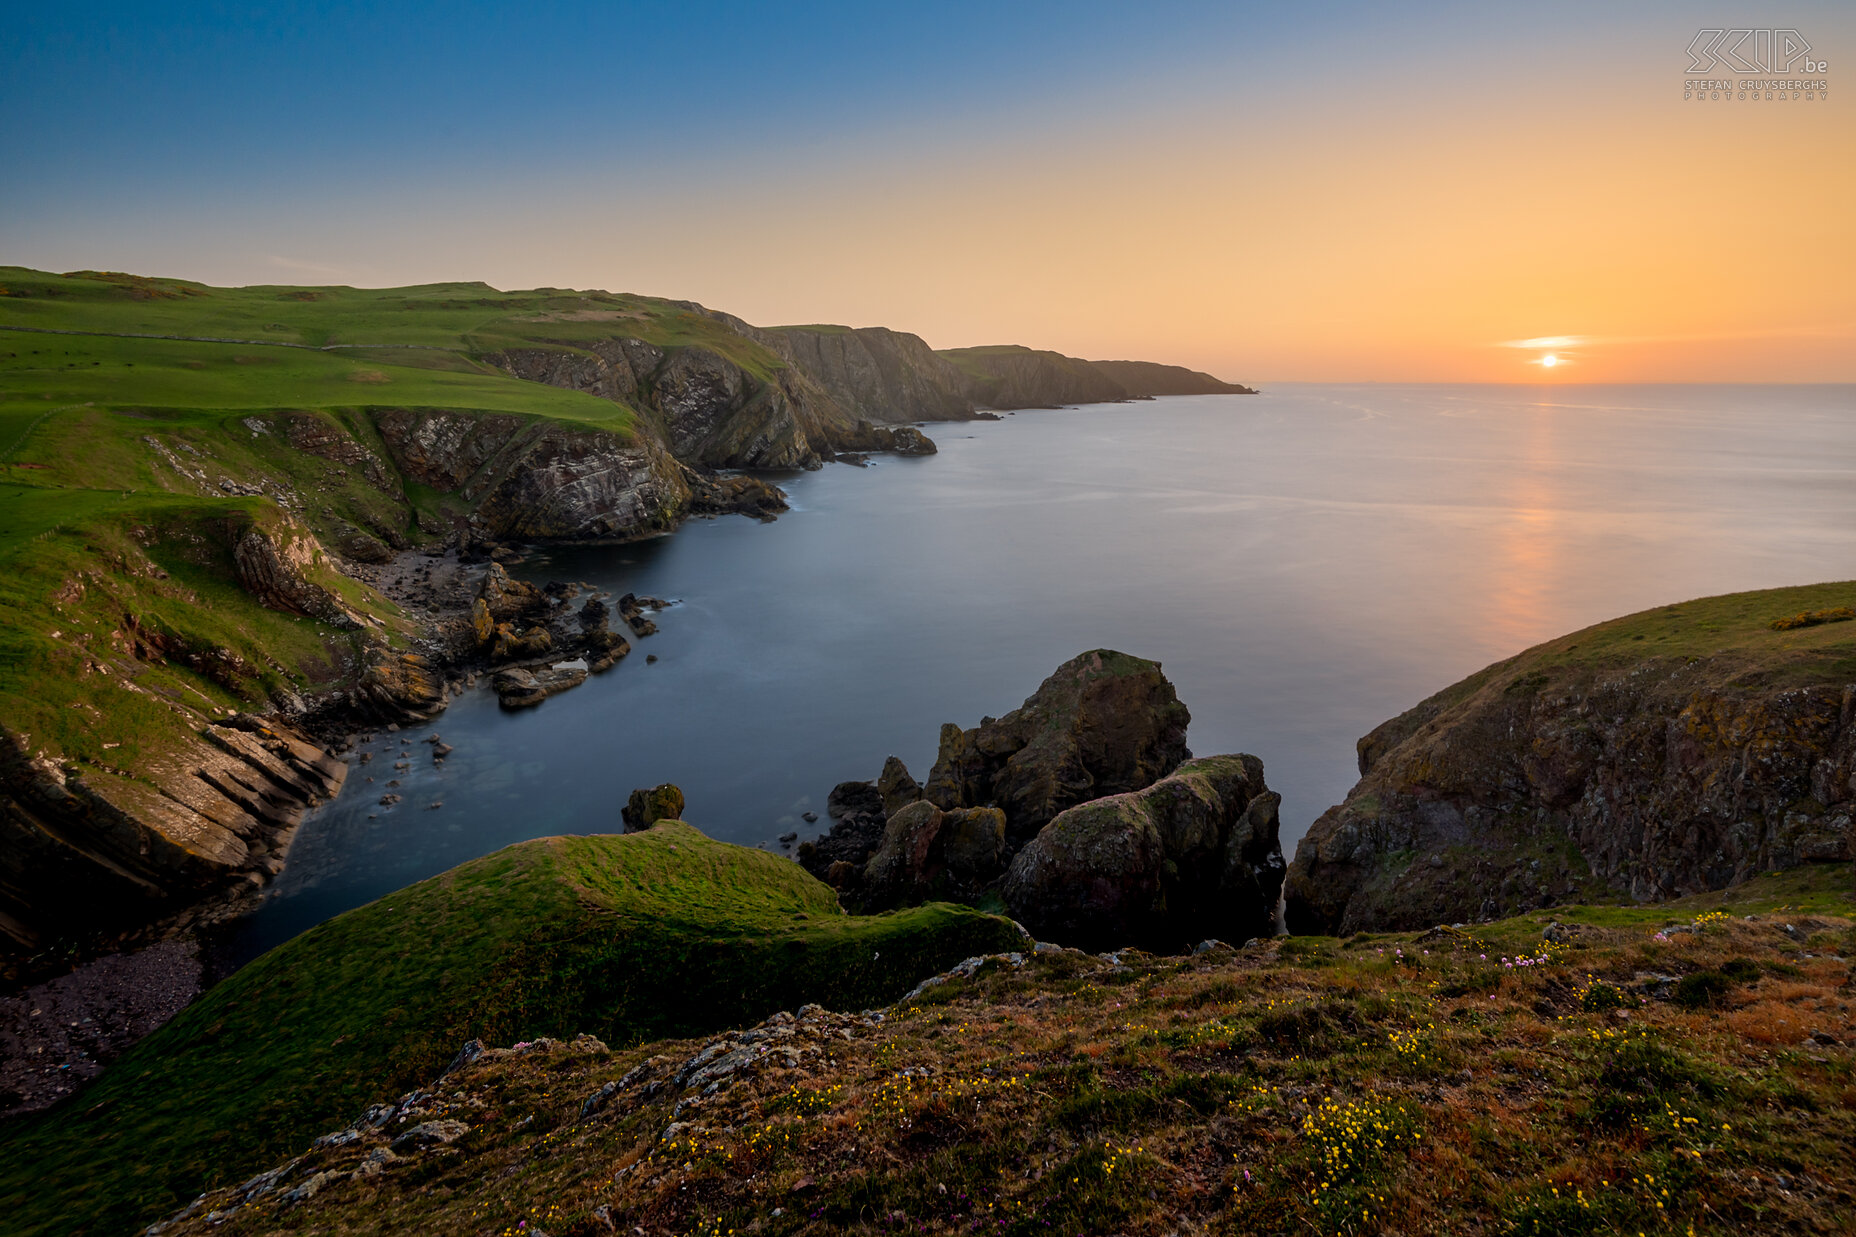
(1306, 563)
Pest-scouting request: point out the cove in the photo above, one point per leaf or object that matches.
(1305, 563)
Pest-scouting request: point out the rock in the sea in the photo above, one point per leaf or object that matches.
(521, 689)
(397, 687)
(927, 853)
(646, 807)
(509, 645)
(517, 689)
(631, 608)
(1194, 855)
(1104, 724)
(604, 647)
(907, 440)
(851, 798)
(897, 787)
(857, 820)
(712, 494)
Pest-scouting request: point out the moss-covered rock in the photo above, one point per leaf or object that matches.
(646, 807)
(1194, 855)
(1103, 724)
(928, 853)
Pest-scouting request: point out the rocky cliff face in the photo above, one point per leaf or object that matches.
(1141, 378)
(882, 376)
(530, 479)
(708, 409)
(84, 851)
(1025, 378)
(1550, 776)
(825, 390)
(277, 562)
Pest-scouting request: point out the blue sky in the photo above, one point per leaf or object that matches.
(1056, 174)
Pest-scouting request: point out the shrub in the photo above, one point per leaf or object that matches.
(1702, 989)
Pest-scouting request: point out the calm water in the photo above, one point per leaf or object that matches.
(1306, 563)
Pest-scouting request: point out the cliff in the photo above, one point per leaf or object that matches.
(1682, 749)
(1139, 378)
(883, 376)
(1009, 376)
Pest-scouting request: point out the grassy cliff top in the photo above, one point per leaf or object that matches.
(624, 937)
(119, 340)
(1728, 641)
(1659, 1070)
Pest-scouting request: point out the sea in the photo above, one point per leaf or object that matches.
(1304, 563)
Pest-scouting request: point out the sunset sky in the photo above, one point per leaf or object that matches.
(1337, 192)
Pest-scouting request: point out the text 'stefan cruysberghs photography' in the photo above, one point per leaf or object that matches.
(1026, 619)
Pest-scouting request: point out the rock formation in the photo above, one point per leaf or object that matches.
(84, 851)
(1194, 855)
(276, 562)
(1102, 724)
(397, 687)
(716, 494)
(1076, 809)
(928, 854)
(646, 807)
(524, 688)
(529, 479)
(1623, 770)
(604, 646)
(897, 787)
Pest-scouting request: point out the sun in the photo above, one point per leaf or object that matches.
(1549, 360)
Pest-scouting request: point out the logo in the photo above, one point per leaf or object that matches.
(1752, 51)
(1794, 73)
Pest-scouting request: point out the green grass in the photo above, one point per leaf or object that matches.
(433, 329)
(624, 937)
(157, 374)
(74, 563)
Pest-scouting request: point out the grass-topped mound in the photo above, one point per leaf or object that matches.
(627, 938)
(1687, 1068)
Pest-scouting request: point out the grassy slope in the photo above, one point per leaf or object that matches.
(416, 346)
(632, 937)
(73, 563)
(1379, 1084)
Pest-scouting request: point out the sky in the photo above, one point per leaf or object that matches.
(1317, 191)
